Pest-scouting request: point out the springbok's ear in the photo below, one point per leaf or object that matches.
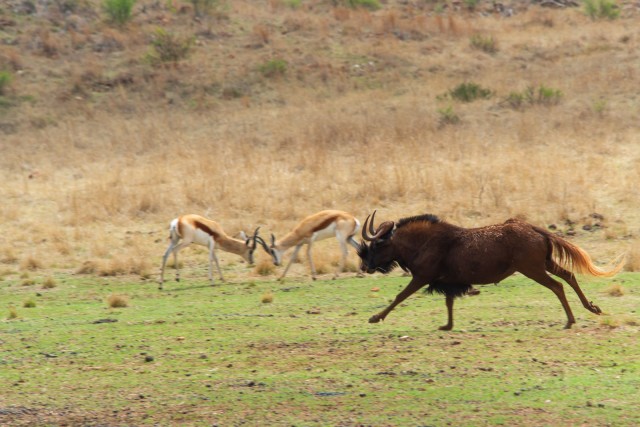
(243, 236)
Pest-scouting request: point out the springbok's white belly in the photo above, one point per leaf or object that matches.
(325, 233)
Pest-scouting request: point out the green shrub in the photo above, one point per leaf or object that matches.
(485, 44)
(448, 116)
(353, 4)
(168, 47)
(601, 9)
(531, 96)
(293, 4)
(119, 11)
(5, 80)
(468, 92)
(273, 68)
(471, 4)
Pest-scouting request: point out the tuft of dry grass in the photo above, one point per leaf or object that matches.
(49, 283)
(8, 256)
(633, 258)
(267, 298)
(618, 321)
(87, 267)
(30, 303)
(264, 268)
(13, 313)
(117, 301)
(614, 290)
(31, 263)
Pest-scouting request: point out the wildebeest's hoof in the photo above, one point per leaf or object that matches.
(374, 319)
(594, 308)
(446, 327)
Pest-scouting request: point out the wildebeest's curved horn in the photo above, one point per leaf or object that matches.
(383, 229)
(373, 217)
(365, 236)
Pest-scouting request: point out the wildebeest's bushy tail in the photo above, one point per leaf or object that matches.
(573, 258)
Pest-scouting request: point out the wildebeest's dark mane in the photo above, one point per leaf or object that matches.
(453, 290)
(426, 217)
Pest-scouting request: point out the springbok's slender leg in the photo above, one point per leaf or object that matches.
(173, 248)
(568, 277)
(164, 262)
(311, 266)
(449, 302)
(412, 287)
(213, 257)
(556, 287)
(293, 256)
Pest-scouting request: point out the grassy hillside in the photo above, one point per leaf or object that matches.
(269, 111)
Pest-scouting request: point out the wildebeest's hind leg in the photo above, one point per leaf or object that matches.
(412, 287)
(545, 280)
(449, 325)
(570, 278)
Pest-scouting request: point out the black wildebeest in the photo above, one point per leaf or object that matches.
(450, 259)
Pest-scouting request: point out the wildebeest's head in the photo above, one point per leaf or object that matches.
(379, 254)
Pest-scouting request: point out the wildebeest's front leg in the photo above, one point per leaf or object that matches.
(412, 287)
(449, 325)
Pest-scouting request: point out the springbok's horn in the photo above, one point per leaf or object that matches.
(255, 236)
(273, 240)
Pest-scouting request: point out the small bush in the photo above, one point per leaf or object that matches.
(87, 267)
(267, 298)
(29, 304)
(168, 47)
(273, 68)
(353, 4)
(264, 268)
(601, 9)
(486, 44)
(119, 11)
(31, 263)
(614, 290)
(293, 4)
(468, 92)
(49, 283)
(13, 313)
(5, 79)
(532, 96)
(117, 301)
(448, 116)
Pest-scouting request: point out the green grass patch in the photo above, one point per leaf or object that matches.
(201, 355)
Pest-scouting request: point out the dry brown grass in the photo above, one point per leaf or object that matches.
(614, 290)
(49, 283)
(117, 301)
(353, 125)
(267, 298)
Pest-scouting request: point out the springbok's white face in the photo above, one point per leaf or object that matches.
(250, 243)
(248, 255)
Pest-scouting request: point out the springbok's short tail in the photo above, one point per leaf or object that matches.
(576, 260)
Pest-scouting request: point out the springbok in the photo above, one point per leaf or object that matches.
(195, 229)
(321, 225)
